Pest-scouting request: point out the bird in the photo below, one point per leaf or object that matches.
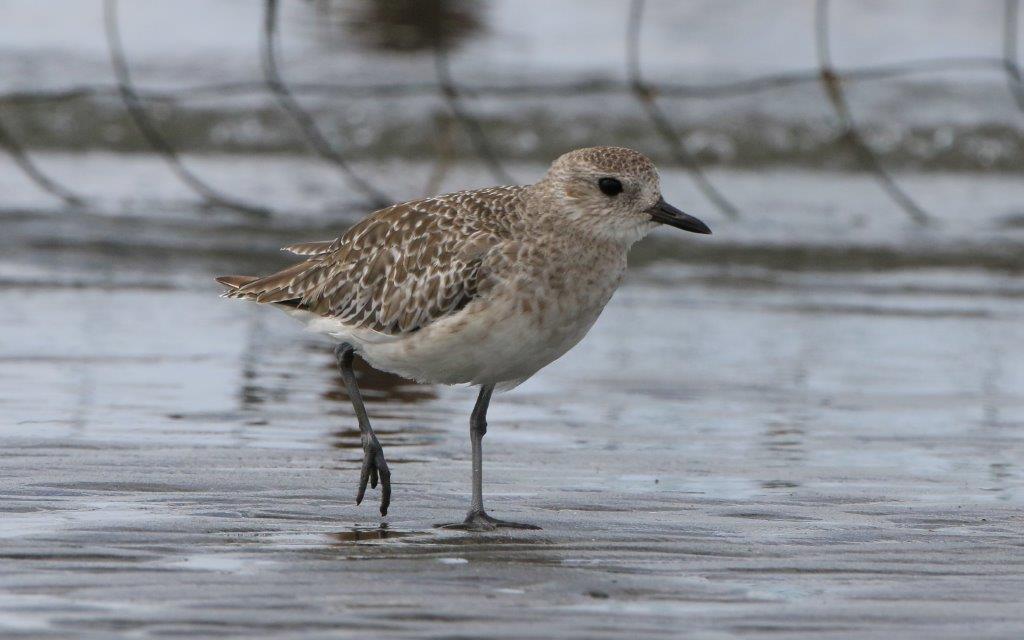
(481, 287)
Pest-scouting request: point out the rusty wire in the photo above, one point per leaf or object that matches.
(445, 153)
(645, 95)
(1011, 32)
(833, 85)
(453, 93)
(304, 121)
(21, 158)
(472, 127)
(152, 135)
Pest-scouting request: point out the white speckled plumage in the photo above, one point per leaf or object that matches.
(481, 287)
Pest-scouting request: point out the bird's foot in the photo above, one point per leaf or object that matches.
(375, 468)
(480, 521)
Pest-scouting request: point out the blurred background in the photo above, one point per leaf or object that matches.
(847, 349)
(846, 123)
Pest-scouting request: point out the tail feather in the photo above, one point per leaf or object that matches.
(283, 287)
(236, 282)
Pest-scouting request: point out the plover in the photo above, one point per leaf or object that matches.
(482, 287)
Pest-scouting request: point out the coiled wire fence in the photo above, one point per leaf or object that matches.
(648, 96)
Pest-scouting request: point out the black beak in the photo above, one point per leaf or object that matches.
(665, 213)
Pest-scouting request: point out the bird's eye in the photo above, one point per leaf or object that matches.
(610, 186)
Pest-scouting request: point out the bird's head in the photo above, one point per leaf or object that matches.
(611, 192)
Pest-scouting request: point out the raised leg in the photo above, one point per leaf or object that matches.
(374, 464)
(477, 519)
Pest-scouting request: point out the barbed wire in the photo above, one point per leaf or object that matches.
(833, 85)
(659, 120)
(33, 172)
(149, 131)
(647, 95)
(477, 135)
(305, 122)
(1011, 31)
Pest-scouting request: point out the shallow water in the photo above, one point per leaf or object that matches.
(821, 448)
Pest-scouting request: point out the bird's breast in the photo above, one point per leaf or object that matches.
(562, 301)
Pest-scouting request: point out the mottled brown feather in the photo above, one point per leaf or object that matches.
(400, 268)
(236, 281)
(309, 248)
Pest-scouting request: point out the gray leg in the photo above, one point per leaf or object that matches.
(477, 519)
(374, 464)
(477, 431)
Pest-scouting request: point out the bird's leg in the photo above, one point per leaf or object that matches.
(477, 519)
(374, 464)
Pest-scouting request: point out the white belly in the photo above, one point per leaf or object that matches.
(502, 340)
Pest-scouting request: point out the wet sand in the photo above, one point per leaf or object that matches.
(787, 455)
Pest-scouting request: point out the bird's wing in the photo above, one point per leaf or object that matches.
(310, 248)
(401, 268)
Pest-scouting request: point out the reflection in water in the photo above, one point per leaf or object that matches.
(414, 436)
(1002, 479)
(86, 396)
(450, 547)
(362, 534)
(376, 386)
(779, 484)
(785, 439)
(991, 376)
(397, 26)
(250, 393)
(381, 389)
(93, 322)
